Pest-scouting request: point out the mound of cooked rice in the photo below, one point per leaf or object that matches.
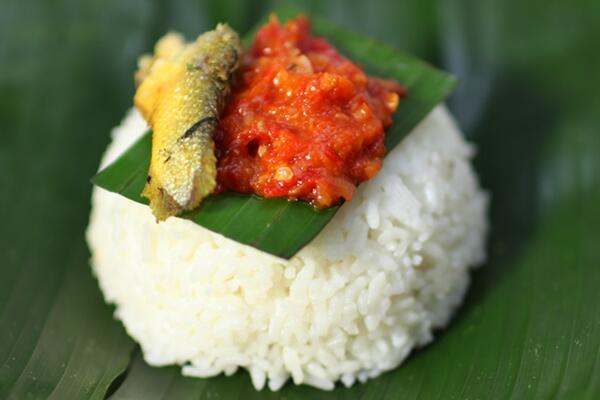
(391, 267)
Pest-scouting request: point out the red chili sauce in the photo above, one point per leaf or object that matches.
(303, 122)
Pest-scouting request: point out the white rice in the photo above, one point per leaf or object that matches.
(391, 267)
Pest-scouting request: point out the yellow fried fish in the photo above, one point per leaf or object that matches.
(181, 92)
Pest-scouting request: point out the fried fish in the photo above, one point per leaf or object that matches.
(181, 92)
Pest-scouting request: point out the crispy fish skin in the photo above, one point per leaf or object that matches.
(182, 91)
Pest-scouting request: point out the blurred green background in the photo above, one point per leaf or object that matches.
(528, 98)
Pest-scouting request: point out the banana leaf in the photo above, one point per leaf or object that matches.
(275, 225)
(529, 327)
